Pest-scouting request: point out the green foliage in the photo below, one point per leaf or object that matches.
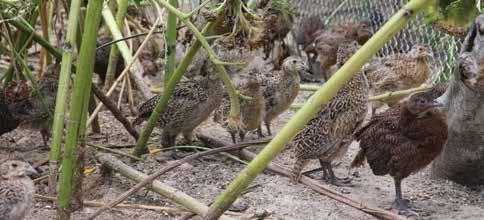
(456, 13)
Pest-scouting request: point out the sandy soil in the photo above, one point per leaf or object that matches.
(205, 178)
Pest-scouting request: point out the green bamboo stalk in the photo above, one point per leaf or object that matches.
(170, 42)
(123, 48)
(79, 105)
(113, 55)
(62, 90)
(312, 106)
(26, 28)
(170, 86)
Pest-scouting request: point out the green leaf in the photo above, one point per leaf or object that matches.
(457, 13)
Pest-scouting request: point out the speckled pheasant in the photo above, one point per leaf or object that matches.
(16, 190)
(402, 141)
(400, 71)
(251, 111)
(328, 134)
(30, 110)
(191, 103)
(280, 88)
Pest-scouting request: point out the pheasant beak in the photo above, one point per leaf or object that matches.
(435, 103)
(31, 171)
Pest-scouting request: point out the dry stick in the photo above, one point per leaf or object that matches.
(311, 183)
(114, 151)
(125, 71)
(153, 176)
(131, 106)
(123, 205)
(116, 112)
(120, 98)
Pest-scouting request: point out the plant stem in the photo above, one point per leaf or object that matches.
(124, 50)
(170, 87)
(113, 55)
(78, 111)
(62, 90)
(170, 42)
(312, 106)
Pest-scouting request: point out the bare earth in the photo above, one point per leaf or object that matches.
(204, 179)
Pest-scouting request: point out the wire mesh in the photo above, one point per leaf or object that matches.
(444, 46)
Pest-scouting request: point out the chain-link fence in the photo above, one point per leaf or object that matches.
(445, 47)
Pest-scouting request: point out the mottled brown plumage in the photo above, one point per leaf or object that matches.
(305, 30)
(280, 88)
(327, 135)
(191, 103)
(327, 41)
(16, 190)
(251, 111)
(30, 111)
(402, 141)
(400, 71)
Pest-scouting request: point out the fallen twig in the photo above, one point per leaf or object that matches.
(114, 151)
(167, 191)
(123, 205)
(311, 183)
(116, 112)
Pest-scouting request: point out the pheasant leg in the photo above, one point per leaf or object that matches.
(331, 178)
(259, 132)
(400, 205)
(232, 134)
(242, 136)
(268, 126)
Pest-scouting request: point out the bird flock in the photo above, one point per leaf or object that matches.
(398, 141)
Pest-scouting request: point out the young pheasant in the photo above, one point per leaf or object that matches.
(327, 41)
(402, 141)
(30, 111)
(191, 103)
(251, 111)
(328, 134)
(16, 189)
(400, 71)
(280, 88)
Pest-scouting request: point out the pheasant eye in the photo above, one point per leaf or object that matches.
(293, 61)
(14, 165)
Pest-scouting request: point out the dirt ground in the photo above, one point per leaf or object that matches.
(205, 178)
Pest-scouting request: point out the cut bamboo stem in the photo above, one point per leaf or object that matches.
(167, 191)
(123, 205)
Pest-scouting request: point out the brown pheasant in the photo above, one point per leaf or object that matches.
(402, 141)
(32, 112)
(400, 71)
(327, 135)
(280, 88)
(251, 110)
(326, 44)
(191, 103)
(16, 190)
